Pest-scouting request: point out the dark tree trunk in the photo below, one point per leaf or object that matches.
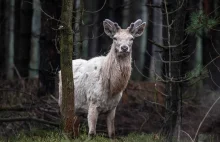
(211, 49)
(23, 49)
(93, 20)
(138, 11)
(176, 35)
(156, 63)
(104, 40)
(9, 38)
(148, 52)
(193, 64)
(35, 37)
(2, 34)
(66, 50)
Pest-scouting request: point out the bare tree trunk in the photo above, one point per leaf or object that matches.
(156, 63)
(211, 47)
(66, 50)
(194, 48)
(9, 38)
(22, 51)
(138, 8)
(92, 30)
(125, 13)
(143, 41)
(78, 39)
(35, 37)
(148, 51)
(175, 36)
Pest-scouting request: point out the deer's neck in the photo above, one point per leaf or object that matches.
(116, 72)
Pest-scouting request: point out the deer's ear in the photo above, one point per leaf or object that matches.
(137, 28)
(138, 31)
(110, 27)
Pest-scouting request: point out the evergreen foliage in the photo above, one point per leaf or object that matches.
(201, 21)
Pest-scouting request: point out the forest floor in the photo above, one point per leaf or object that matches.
(49, 136)
(139, 117)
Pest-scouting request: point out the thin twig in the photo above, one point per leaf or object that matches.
(207, 113)
(188, 135)
(87, 11)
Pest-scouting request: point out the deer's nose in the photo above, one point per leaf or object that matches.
(124, 48)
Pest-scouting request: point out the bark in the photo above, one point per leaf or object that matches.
(78, 30)
(9, 38)
(66, 50)
(148, 52)
(35, 47)
(156, 63)
(175, 36)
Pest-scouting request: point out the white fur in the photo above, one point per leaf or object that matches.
(100, 81)
(89, 88)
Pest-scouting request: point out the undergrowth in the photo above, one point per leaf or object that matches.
(55, 136)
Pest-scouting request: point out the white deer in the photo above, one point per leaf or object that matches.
(100, 81)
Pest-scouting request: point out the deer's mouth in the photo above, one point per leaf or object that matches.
(123, 53)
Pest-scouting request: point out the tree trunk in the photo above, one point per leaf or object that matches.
(35, 47)
(138, 11)
(9, 38)
(211, 48)
(103, 40)
(148, 51)
(175, 37)
(2, 35)
(156, 63)
(92, 30)
(78, 30)
(22, 51)
(66, 51)
(194, 49)
(125, 13)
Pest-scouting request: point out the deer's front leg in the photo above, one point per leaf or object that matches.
(110, 123)
(92, 119)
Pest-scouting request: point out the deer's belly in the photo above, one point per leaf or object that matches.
(108, 104)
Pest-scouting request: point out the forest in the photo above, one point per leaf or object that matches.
(172, 93)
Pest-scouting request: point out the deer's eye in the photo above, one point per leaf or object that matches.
(114, 38)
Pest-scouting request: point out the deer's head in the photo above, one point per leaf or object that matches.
(123, 38)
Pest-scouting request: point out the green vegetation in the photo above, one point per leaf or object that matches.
(45, 136)
(200, 21)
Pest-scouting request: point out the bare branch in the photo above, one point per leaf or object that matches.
(188, 135)
(16, 108)
(29, 119)
(205, 118)
(96, 10)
